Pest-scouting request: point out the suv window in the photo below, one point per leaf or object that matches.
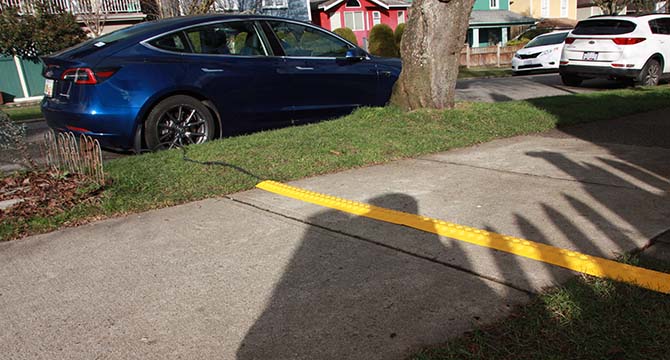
(660, 26)
(604, 27)
(547, 40)
(227, 38)
(299, 40)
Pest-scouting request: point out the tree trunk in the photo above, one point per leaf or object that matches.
(431, 49)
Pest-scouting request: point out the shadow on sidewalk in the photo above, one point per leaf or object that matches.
(343, 298)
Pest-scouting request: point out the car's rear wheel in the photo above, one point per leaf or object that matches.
(178, 121)
(571, 80)
(651, 73)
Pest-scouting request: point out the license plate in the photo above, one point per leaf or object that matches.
(590, 56)
(49, 88)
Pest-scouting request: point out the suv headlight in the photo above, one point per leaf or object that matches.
(516, 55)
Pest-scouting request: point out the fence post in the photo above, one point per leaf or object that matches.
(498, 55)
(467, 56)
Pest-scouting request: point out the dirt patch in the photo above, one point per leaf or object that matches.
(45, 194)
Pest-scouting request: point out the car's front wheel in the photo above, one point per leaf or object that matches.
(651, 73)
(177, 121)
(571, 80)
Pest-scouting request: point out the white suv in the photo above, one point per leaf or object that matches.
(627, 48)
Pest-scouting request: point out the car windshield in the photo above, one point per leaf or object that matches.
(550, 39)
(604, 27)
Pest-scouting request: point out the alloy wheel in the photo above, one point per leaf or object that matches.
(182, 125)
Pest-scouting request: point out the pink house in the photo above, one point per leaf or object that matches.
(358, 15)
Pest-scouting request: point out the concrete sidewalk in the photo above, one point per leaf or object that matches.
(259, 276)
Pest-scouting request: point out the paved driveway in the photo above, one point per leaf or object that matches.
(525, 87)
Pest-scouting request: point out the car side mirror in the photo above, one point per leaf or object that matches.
(355, 54)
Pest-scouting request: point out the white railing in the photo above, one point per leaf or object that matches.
(77, 6)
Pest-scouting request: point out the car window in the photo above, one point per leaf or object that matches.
(550, 39)
(171, 42)
(300, 40)
(660, 26)
(226, 38)
(604, 27)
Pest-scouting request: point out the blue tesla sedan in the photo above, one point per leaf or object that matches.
(188, 80)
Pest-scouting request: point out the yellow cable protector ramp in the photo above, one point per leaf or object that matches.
(572, 260)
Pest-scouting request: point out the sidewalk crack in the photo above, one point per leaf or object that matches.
(531, 175)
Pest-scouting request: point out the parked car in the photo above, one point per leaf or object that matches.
(188, 80)
(626, 48)
(541, 53)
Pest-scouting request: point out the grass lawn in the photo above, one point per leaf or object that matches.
(480, 72)
(587, 318)
(368, 136)
(23, 112)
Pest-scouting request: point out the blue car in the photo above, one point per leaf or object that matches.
(188, 80)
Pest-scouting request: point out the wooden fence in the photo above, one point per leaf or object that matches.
(488, 56)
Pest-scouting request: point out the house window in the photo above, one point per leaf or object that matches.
(226, 5)
(354, 20)
(353, 3)
(335, 21)
(274, 4)
(564, 8)
(376, 18)
(494, 4)
(544, 8)
(401, 17)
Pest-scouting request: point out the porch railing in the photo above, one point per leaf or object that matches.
(77, 6)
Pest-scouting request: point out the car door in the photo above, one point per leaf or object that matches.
(232, 65)
(319, 78)
(660, 29)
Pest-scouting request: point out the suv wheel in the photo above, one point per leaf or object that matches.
(571, 80)
(651, 73)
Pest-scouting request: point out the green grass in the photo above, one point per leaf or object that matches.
(480, 72)
(368, 136)
(587, 318)
(23, 113)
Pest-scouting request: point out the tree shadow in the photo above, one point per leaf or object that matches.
(347, 297)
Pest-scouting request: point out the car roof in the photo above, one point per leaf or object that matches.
(632, 17)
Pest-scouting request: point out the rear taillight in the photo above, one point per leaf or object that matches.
(569, 40)
(628, 41)
(86, 76)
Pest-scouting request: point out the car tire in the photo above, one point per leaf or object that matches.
(571, 80)
(178, 121)
(651, 73)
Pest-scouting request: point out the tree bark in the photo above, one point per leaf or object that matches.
(430, 50)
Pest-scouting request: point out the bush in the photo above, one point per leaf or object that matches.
(398, 34)
(45, 32)
(382, 41)
(517, 42)
(347, 34)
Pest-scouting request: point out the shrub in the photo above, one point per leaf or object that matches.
(398, 34)
(30, 36)
(517, 42)
(382, 41)
(13, 140)
(347, 34)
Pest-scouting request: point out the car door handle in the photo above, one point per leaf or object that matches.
(303, 68)
(211, 70)
(385, 73)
